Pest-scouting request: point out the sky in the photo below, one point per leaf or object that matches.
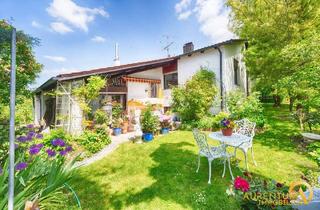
(80, 35)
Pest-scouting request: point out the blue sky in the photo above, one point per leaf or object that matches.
(80, 34)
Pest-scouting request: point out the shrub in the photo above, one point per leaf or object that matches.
(149, 122)
(194, 100)
(249, 107)
(314, 151)
(94, 141)
(116, 115)
(206, 123)
(101, 117)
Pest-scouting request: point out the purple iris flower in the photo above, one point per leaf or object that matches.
(51, 153)
(33, 150)
(21, 166)
(63, 152)
(39, 136)
(30, 126)
(68, 148)
(39, 145)
(58, 142)
(22, 138)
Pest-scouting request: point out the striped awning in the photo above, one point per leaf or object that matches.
(141, 80)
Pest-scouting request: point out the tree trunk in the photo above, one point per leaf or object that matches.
(277, 101)
(291, 102)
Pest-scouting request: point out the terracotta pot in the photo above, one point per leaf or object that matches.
(227, 131)
(124, 127)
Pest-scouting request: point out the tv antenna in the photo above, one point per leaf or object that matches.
(168, 44)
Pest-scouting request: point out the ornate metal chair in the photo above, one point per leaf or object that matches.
(211, 153)
(245, 128)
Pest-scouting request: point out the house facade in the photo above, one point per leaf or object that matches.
(142, 82)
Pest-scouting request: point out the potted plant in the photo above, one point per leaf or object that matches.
(125, 124)
(149, 124)
(116, 118)
(165, 123)
(227, 126)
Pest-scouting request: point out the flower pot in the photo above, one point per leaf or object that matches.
(116, 131)
(147, 136)
(227, 131)
(124, 127)
(164, 130)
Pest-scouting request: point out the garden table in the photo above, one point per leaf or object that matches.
(236, 140)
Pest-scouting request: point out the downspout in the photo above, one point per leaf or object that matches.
(221, 79)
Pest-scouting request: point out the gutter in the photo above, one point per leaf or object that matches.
(221, 79)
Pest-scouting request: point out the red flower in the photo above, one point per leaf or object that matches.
(241, 184)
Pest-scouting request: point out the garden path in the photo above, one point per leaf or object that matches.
(115, 142)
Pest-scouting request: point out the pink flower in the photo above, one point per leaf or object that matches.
(241, 184)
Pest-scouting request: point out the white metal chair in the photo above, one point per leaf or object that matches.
(211, 153)
(245, 128)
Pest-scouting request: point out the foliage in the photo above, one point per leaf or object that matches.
(279, 35)
(249, 107)
(94, 141)
(56, 134)
(101, 117)
(206, 123)
(88, 92)
(116, 114)
(27, 68)
(217, 119)
(314, 151)
(41, 173)
(149, 122)
(257, 193)
(193, 100)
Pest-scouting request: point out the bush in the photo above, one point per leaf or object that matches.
(101, 117)
(194, 100)
(314, 151)
(249, 107)
(94, 141)
(206, 123)
(149, 122)
(56, 134)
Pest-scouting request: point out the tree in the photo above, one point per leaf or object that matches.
(194, 100)
(274, 30)
(26, 65)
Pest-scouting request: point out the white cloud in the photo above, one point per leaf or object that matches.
(36, 24)
(184, 15)
(182, 5)
(212, 16)
(98, 39)
(69, 12)
(55, 58)
(60, 27)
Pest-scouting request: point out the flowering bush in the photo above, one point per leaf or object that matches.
(94, 141)
(165, 121)
(227, 123)
(258, 193)
(41, 172)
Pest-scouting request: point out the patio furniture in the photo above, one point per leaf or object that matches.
(211, 153)
(241, 138)
(310, 137)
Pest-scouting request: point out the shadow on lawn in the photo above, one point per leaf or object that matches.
(177, 182)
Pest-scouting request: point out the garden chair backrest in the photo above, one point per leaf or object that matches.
(201, 140)
(245, 127)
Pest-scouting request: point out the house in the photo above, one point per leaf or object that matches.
(147, 81)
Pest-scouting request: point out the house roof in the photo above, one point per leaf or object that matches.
(129, 68)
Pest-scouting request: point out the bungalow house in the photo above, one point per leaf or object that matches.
(145, 82)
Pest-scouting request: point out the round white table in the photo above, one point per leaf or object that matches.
(235, 140)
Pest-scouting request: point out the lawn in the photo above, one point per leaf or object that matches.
(161, 174)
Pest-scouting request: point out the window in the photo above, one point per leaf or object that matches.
(170, 79)
(154, 90)
(236, 72)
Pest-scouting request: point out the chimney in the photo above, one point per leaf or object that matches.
(188, 47)
(116, 56)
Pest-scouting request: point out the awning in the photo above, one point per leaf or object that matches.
(141, 80)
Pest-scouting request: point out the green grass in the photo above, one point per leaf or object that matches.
(161, 174)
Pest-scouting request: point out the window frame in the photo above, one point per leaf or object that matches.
(164, 80)
(236, 72)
